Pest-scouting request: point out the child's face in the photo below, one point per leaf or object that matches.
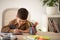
(20, 21)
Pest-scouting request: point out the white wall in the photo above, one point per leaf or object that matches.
(35, 8)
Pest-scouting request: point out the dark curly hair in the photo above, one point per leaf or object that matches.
(22, 13)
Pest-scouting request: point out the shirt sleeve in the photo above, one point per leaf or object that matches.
(7, 29)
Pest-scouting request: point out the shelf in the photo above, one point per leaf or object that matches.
(53, 15)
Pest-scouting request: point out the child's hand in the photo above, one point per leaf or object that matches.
(36, 23)
(16, 31)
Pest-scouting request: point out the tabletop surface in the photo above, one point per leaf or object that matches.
(52, 35)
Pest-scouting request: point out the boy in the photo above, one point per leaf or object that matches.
(20, 24)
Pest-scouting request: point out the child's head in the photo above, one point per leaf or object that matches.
(22, 15)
